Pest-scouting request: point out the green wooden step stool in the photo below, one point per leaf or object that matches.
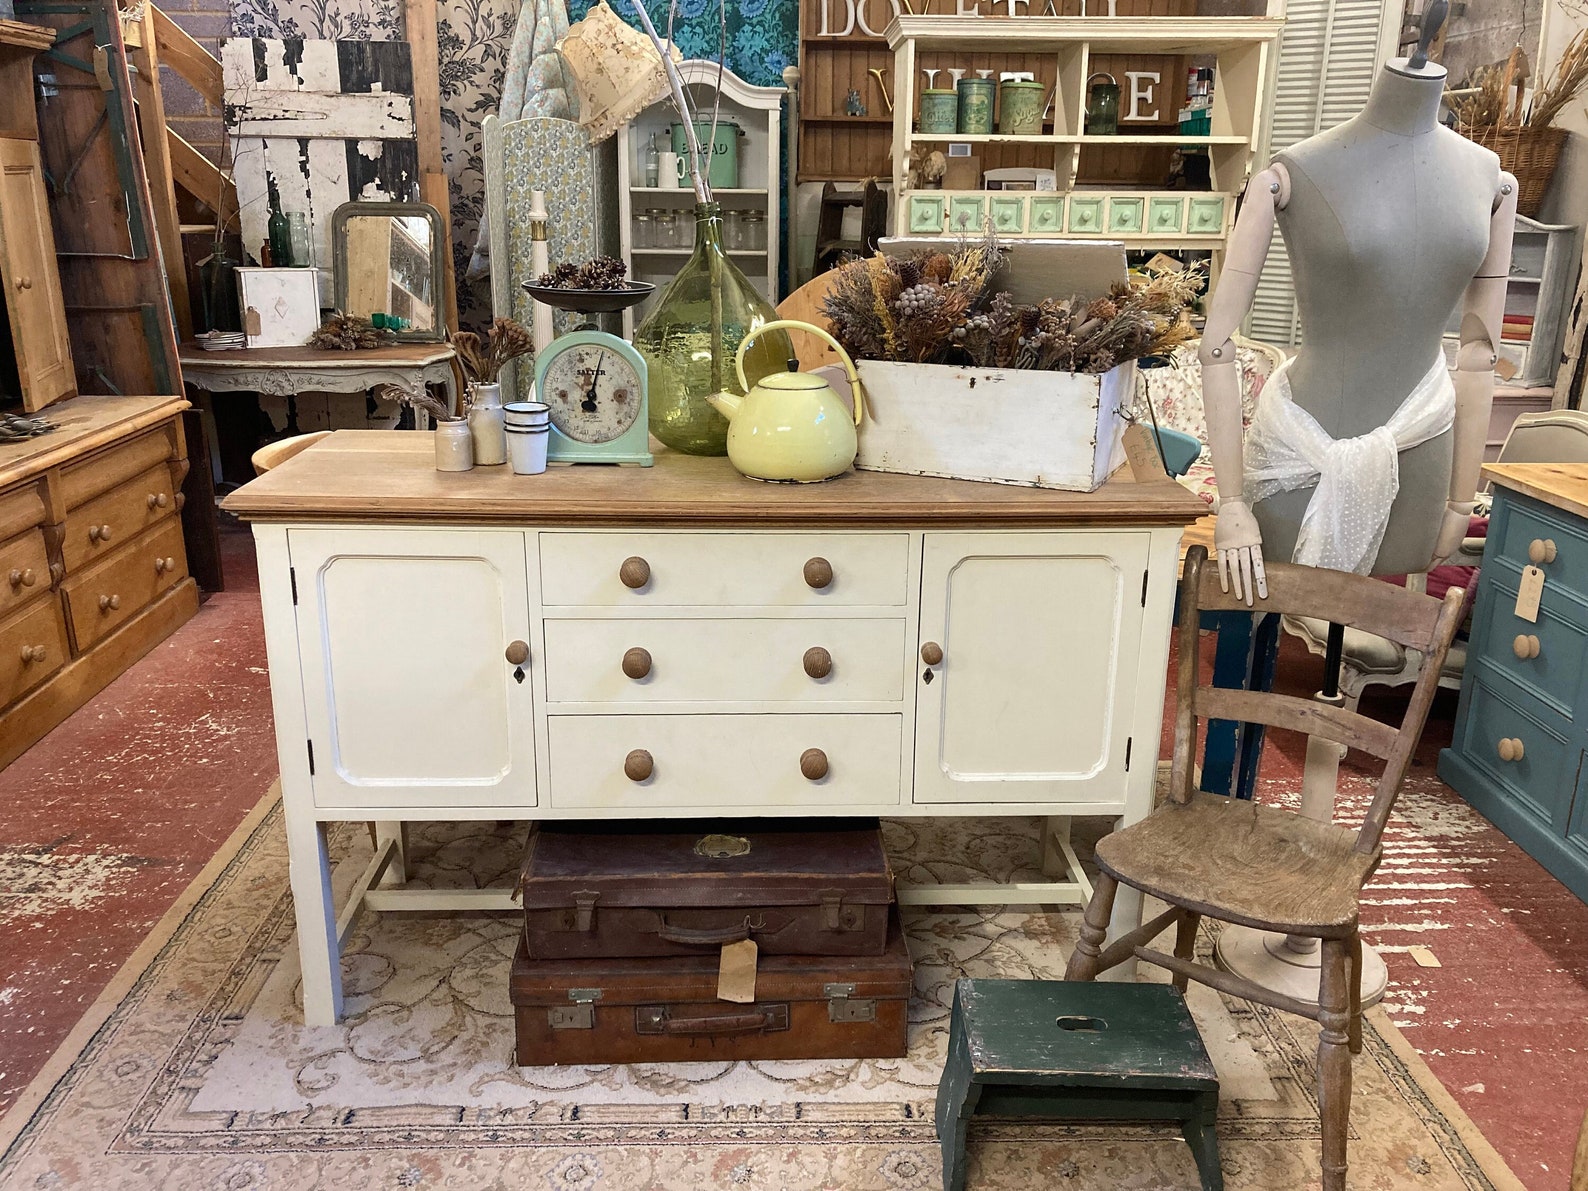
(1068, 1050)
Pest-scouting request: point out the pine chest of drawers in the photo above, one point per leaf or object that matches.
(1521, 734)
(681, 641)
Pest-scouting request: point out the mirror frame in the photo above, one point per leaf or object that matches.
(438, 256)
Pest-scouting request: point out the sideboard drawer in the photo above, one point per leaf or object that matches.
(109, 521)
(1542, 780)
(686, 660)
(742, 762)
(724, 569)
(1524, 525)
(87, 478)
(24, 570)
(32, 647)
(117, 589)
(1556, 674)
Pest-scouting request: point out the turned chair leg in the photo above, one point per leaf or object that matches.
(1356, 993)
(1094, 929)
(1185, 942)
(1334, 1060)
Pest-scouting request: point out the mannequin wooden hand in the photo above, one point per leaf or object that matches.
(1239, 544)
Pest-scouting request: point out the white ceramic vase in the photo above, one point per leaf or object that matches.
(486, 424)
(454, 445)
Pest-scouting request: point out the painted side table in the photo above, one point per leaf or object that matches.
(289, 371)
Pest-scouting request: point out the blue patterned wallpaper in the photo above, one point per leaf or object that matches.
(763, 35)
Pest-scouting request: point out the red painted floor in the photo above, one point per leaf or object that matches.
(108, 818)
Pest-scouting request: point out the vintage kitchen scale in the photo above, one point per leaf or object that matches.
(594, 382)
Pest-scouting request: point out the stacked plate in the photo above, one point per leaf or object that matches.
(219, 341)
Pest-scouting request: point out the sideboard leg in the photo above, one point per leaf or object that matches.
(319, 953)
(396, 874)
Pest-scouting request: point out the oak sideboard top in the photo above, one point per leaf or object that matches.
(1563, 485)
(390, 475)
(83, 424)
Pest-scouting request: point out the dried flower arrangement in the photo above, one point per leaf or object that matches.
(939, 308)
(438, 410)
(1485, 104)
(604, 272)
(348, 332)
(482, 357)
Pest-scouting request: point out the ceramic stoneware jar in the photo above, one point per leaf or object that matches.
(485, 424)
(1020, 108)
(939, 113)
(976, 97)
(454, 446)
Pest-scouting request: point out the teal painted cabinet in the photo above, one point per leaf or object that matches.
(1520, 751)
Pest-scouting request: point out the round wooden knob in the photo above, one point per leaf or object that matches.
(99, 533)
(109, 603)
(170, 563)
(32, 653)
(818, 662)
(1525, 646)
(932, 653)
(638, 765)
(157, 500)
(22, 578)
(1511, 749)
(813, 764)
(159, 566)
(635, 573)
(1541, 550)
(637, 662)
(818, 573)
(517, 653)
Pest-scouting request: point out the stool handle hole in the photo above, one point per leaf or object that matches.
(1089, 1025)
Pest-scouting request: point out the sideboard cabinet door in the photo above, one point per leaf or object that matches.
(403, 635)
(1040, 636)
(32, 282)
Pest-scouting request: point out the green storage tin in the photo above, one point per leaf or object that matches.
(976, 100)
(939, 113)
(1020, 108)
(724, 169)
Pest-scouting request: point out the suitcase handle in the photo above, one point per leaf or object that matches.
(764, 1019)
(706, 936)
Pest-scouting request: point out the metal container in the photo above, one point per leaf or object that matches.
(723, 172)
(939, 113)
(1020, 108)
(977, 97)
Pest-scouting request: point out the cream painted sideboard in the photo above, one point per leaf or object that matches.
(678, 640)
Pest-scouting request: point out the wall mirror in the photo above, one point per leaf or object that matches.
(388, 259)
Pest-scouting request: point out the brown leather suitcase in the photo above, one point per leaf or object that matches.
(666, 1010)
(804, 887)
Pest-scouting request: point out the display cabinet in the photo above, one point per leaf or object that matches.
(758, 113)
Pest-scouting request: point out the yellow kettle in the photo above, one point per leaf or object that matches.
(792, 426)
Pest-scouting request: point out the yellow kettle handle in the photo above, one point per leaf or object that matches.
(793, 324)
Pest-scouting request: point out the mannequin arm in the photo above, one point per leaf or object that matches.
(1237, 540)
(1483, 310)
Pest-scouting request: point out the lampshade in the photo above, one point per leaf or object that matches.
(615, 69)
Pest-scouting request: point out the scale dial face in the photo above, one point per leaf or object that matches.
(594, 392)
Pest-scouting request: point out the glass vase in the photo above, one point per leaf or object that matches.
(691, 335)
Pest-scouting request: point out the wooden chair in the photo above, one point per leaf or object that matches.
(1258, 865)
(831, 247)
(274, 454)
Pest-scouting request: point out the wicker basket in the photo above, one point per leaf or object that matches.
(1530, 153)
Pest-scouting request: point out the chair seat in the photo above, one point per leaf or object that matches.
(1244, 862)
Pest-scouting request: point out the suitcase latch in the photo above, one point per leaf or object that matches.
(843, 1005)
(584, 910)
(578, 1016)
(833, 917)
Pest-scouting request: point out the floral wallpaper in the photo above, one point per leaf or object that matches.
(474, 37)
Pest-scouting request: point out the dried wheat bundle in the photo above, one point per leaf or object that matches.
(482, 357)
(348, 332)
(415, 400)
(1564, 85)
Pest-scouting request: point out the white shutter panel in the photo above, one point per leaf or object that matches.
(1328, 56)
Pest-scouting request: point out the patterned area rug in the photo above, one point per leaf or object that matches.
(194, 1072)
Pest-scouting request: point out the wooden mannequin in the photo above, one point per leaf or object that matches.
(1390, 220)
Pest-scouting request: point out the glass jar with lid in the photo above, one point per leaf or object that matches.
(644, 229)
(665, 228)
(752, 228)
(733, 230)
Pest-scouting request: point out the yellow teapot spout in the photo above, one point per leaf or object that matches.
(725, 403)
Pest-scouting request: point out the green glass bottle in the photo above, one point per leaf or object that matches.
(280, 232)
(691, 335)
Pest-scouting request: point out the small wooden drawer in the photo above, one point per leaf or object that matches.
(1542, 778)
(1165, 216)
(104, 470)
(119, 587)
(24, 570)
(1563, 556)
(98, 528)
(965, 213)
(22, 508)
(723, 570)
(1125, 215)
(32, 647)
(743, 762)
(1207, 217)
(1008, 213)
(926, 213)
(1086, 214)
(1047, 212)
(743, 661)
(1546, 658)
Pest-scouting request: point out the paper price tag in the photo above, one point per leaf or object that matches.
(1528, 597)
(1141, 452)
(736, 972)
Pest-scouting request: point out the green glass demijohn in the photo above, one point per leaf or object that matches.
(691, 335)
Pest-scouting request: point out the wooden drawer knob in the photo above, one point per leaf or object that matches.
(162, 565)
(818, 662)
(813, 764)
(818, 573)
(517, 653)
(932, 653)
(99, 533)
(1541, 550)
(32, 653)
(635, 573)
(109, 603)
(638, 765)
(157, 500)
(24, 283)
(1525, 646)
(22, 578)
(637, 662)
(1511, 749)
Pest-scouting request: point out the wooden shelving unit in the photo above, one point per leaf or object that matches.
(1107, 186)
